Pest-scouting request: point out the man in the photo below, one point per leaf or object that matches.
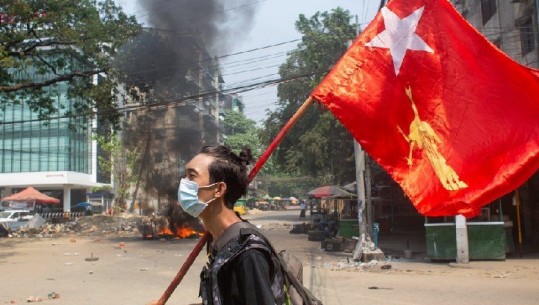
(303, 207)
(241, 268)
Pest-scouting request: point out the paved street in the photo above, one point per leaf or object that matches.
(133, 271)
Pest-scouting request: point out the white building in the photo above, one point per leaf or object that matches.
(57, 157)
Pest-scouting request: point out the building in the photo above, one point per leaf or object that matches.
(512, 25)
(184, 106)
(57, 156)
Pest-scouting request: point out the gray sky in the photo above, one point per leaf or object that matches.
(273, 24)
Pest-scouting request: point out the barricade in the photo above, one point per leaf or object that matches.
(60, 217)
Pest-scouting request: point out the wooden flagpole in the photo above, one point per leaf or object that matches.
(278, 138)
(183, 270)
(202, 241)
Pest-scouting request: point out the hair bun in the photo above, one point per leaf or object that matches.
(246, 156)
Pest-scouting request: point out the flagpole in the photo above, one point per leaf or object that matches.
(279, 137)
(183, 270)
(202, 241)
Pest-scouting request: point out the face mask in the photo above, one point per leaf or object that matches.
(188, 197)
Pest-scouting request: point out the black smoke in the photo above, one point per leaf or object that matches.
(220, 24)
(173, 60)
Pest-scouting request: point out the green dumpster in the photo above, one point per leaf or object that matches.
(486, 240)
(348, 228)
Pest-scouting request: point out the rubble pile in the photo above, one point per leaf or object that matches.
(105, 224)
(96, 225)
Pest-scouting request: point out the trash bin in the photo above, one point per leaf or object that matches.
(348, 228)
(375, 231)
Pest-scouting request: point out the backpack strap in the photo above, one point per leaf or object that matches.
(232, 232)
(244, 229)
(289, 276)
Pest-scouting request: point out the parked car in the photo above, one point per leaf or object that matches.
(85, 207)
(14, 219)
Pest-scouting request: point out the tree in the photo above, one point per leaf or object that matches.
(318, 146)
(241, 132)
(45, 44)
(120, 162)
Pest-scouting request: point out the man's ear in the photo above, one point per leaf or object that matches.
(221, 189)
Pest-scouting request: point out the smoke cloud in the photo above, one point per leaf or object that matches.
(219, 25)
(167, 62)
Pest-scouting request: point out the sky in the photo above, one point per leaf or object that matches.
(264, 44)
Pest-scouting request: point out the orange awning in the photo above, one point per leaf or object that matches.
(31, 194)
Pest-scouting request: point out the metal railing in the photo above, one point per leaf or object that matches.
(59, 217)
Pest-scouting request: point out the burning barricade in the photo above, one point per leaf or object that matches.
(172, 224)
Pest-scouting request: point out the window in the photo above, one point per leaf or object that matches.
(527, 37)
(488, 9)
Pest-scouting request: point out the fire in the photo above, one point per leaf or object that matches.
(181, 232)
(165, 231)
(185, 231)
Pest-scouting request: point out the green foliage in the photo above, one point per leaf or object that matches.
(236, 122)
(318, 145)
(241, 132)
(287, 186)
(50, 46)
(120, 161)
(101, 189)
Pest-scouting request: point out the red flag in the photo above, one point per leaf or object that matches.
(451, 118)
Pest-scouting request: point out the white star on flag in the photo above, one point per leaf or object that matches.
(399, 35)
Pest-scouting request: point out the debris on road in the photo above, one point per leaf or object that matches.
(53, 295)
(91, 258)
(94, 225)
(32, 299)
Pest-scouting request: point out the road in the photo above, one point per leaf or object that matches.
(130, 270)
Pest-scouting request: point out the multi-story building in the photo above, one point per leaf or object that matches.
(512, 25)
(183, 109)
(56, 156)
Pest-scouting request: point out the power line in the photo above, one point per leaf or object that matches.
(218, 57)
(179, 102)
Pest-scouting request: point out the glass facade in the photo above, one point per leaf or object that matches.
(39, 147)
(31, 145)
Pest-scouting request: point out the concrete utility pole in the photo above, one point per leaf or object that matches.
(359, 156)
(463, 256)
(364, 202)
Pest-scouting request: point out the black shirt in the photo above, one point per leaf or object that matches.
(247, 280)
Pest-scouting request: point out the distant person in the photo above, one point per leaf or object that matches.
(303, 207)
(242, 269)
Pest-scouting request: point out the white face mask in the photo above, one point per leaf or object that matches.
(188, 197)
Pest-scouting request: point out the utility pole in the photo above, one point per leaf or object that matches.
(364, 200)
(359, 157)
(382, 3)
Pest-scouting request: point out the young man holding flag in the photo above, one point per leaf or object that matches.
(241, 269)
